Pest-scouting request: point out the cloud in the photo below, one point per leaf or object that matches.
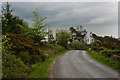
(91, 15)
(100, 20)
(60, 0)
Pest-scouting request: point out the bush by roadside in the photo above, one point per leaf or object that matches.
(114, 64)
(78, 45)
(13, 67)
(41, 69)
(18, 60)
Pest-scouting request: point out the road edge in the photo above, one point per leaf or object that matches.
(50, 73)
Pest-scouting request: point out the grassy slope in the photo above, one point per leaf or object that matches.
(105, 60)
(41, 69)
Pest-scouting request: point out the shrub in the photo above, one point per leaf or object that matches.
(5, 44)
(20, 42)
(105, 60)
(94, 46)
(13, 67)
(60, 48)
(36, 58)
(77, 45)
(48, 50)
(24, 56)
(52, 48)
(110, 45)
(44, 56)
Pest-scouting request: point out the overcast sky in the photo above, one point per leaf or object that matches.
(98, 17)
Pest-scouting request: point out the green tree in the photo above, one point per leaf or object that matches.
(73, 33)
(39, 26)
(9, 21)
(25, 28)
(63, 37)
(37, 32)
(51, 39)
(81, 33)
(78, 34)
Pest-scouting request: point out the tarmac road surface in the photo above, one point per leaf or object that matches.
(78, 64)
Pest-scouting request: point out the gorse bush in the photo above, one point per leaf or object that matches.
(110, 45)
(13, 67)
(111, 53)
(20, 42)
(78, 45)
(105, 60)
(24, 47)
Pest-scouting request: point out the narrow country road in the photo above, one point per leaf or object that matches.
(78, 64)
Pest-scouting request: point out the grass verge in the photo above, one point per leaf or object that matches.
(41, 69)
(114, 64)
